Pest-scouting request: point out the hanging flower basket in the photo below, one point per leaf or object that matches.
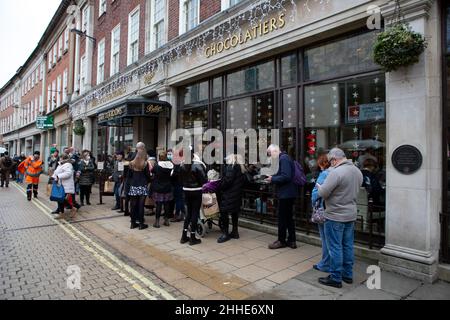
(79, 128)
(398, 47)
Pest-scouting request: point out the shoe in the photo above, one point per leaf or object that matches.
(82, 203)
(126, 214)
(277, 245)
(134, 225)
(73, 213)
(292, 245)
(347, 280)
(35, 195)
(193, 240)
(143, 226)
(88, 203)
(60, 216)
(327, 281)
(115, 208)
(234, 234)
(184, 237)
(223, 238)
(166, 223)
(176, 219)
(156, 225)
(55, 212)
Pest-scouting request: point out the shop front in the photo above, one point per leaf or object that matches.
(122, 125)
(317, 103)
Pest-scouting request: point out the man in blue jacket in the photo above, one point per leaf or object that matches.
(287, 191)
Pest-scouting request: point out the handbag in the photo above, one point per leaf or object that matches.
(318, 215)
(210, 205)
(58, 194)
(109, 187)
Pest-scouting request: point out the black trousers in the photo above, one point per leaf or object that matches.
(224, 220)
(193, 202)
(85, 192)
(159, 207)
(5, 178)
(286, 220)
(137, 208)
(34, 188)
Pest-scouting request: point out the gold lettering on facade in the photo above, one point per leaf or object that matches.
(153, 109)
(249, 34)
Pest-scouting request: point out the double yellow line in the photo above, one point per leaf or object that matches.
(104, 256)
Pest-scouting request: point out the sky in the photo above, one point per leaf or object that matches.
(22, 24)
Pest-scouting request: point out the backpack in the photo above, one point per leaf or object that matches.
(7, 162)
(299, 178)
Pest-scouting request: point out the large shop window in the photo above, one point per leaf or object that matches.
(251, 79)
(351, 115)
(339, 58)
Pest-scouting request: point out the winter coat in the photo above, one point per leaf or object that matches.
(138, 178)
(315, 193)
(64, 172)
(4, 166)
(283, 180)
(87, 177)
(52, 164)
(193, 175)
(212, 186)
(117, 174)
(162, 181)
(32, 170)
(340, 191)
(231, 187)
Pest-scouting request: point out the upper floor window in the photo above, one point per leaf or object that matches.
(82, 73)
(158, 22)
(229, 3)
(102, 7)
(189, 14)
(115, 50)
(85, 19)
(101, 62)
(133, 36)
(66, 39)
(55, 53)
(60, 46)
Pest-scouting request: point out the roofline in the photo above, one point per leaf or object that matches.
(53, 22)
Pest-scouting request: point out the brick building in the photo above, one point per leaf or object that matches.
(142, 68)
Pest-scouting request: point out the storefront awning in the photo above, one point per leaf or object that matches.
(122, 114)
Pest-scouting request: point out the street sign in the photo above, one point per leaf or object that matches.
(45, 122)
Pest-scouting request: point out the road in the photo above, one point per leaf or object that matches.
(42, 258)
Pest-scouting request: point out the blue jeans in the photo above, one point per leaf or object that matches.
(19, 177)
(339, 237)
(117, 193)
(324, 264)
(179, 200)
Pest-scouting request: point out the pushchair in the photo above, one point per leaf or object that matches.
(208, 213)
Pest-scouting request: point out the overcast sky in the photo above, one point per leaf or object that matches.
(22, 24)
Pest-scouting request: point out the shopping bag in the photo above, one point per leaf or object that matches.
(210, 205)
(318, 215)
(58, 194)
(109, 187)
(149, 202)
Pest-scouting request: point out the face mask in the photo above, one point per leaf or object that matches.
(169, 156)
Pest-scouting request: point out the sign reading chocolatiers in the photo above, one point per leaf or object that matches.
(407, 159)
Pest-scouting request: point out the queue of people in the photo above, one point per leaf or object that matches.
(175, 184)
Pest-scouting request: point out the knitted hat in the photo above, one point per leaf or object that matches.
(53, 150)
(37, 153)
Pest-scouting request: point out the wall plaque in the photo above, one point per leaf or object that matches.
(407, 159)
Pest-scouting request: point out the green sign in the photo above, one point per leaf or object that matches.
(45, 123)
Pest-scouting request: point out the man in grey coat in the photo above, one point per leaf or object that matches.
(340, 191)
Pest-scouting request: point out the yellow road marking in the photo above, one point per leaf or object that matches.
(66, 227)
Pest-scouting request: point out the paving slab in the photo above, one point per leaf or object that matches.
(363, 293)
(437, 291)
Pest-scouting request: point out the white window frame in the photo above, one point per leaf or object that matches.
(49, 98)
(101, 7)
(154, 22)
(85, 19)
(83, 70)
(136, 11)
(55, 53)
(183, 23)
(115, 54)
(58, 91)
(101, 61)
(64, 87)
(60, 46)
(53, 94)
(225, 4)
(66, 39)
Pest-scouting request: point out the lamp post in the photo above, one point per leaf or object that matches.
(83, 34)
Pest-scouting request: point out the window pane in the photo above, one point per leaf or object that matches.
(290, 108)
(240, 114)
(255, 78)
(188, 117)
(359, 128)
(341, 57)
(289, 69)
(217, 87)
(216, 116)
(196, 93)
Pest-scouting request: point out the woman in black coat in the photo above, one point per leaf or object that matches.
(86, 177)
(230, 203)
(162, 188)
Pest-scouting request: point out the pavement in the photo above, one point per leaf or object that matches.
(38, 254)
